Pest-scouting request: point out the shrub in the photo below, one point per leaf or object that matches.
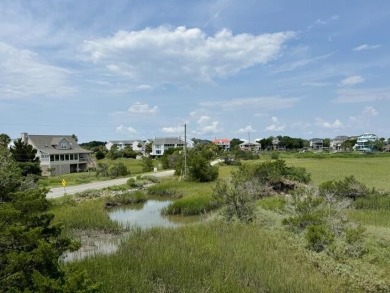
(200, 169)
(274, 155)
(347, 188)
(99, 155)
(318, 237)
(147, 164)
(118, 169)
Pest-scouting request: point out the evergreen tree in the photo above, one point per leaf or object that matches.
(25, 155)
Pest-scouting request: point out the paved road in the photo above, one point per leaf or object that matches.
(59, 191)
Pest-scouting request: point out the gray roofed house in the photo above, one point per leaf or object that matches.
(137, 145)
(59, 154)
(159, 145)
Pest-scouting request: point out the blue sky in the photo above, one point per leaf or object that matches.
(113, 70)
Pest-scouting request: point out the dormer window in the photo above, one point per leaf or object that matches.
(64, 145)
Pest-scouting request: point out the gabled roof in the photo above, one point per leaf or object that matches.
(221, 140)
(47, 144)
(170, 140)
(126, 141)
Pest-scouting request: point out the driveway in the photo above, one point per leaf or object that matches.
(60, 191)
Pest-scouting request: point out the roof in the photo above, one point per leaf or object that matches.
(169, 140)
(46, 143)
(221, 140)
(250, 143)
(126, 141)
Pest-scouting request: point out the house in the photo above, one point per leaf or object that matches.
(250, 146)
(136, 145)
(159, 145)
(222, 143)
(275, 143)
(365, 142)
(335, 144)
(59, 154)
(316, 144)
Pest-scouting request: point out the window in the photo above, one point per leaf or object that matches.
(61, 157)
(66, 157)
(57, 157)
(71, 157)
(64, 145)
(51, 158)
(76, 156)
(158, 152)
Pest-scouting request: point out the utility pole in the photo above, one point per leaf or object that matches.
(185, 150)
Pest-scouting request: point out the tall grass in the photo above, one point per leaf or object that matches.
(85, 215)
(215, 257)
(191, 205)
(379, 218)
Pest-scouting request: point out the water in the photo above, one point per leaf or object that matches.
(145, 216)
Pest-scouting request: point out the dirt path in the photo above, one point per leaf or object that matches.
(60, 191)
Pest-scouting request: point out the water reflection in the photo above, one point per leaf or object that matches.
(146, 215)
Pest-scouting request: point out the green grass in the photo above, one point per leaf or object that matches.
(380, 218)
(84, 215)
(213, 257)
(191, 205)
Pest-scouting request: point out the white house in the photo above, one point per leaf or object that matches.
(250, 146)
(365, 141)
(59, 154)
(136, 145)
(159, 145)
(223, 143)
(335, 144)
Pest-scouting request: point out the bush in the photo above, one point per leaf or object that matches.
(99, 155)
(117, 170)
(347, 188)
(147, 164)
(318, 237)
(200, 169)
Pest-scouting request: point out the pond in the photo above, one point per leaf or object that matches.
(148, 215)
(145, 216)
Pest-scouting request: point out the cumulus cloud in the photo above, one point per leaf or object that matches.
(124, 129)
(370, 111)
(173, 130)
(365, 47)
(352, 80)
(276, 125)
(168, 54)
(142, 108)
(247, 129)
(337, 124)
(24, 73)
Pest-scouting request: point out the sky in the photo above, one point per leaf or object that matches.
(249, 69)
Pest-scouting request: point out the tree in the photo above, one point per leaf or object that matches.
(30, 244)
(200, 169)
(4, 140)
(26, 156)
(74, 136)
(147, 164)
(235, 142)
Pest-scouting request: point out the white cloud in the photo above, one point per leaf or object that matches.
(337, 124)
(142, 108)
(203, 119)
(211, 128)
(247, 129)
(276, 125)
(352, 80)
(173, 130)
(362, 95)
(124, 129)
(299, 63)
(167, 54)
(370, 111)
(365, 47)
(24, 73)
(205, 125)
(263, 103)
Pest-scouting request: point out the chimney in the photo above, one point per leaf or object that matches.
(24, 137)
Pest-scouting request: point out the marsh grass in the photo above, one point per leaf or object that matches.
(375, 201)
(191, 205)
(207, 258)
(379, 218)
(273, 203)
(84, 215)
